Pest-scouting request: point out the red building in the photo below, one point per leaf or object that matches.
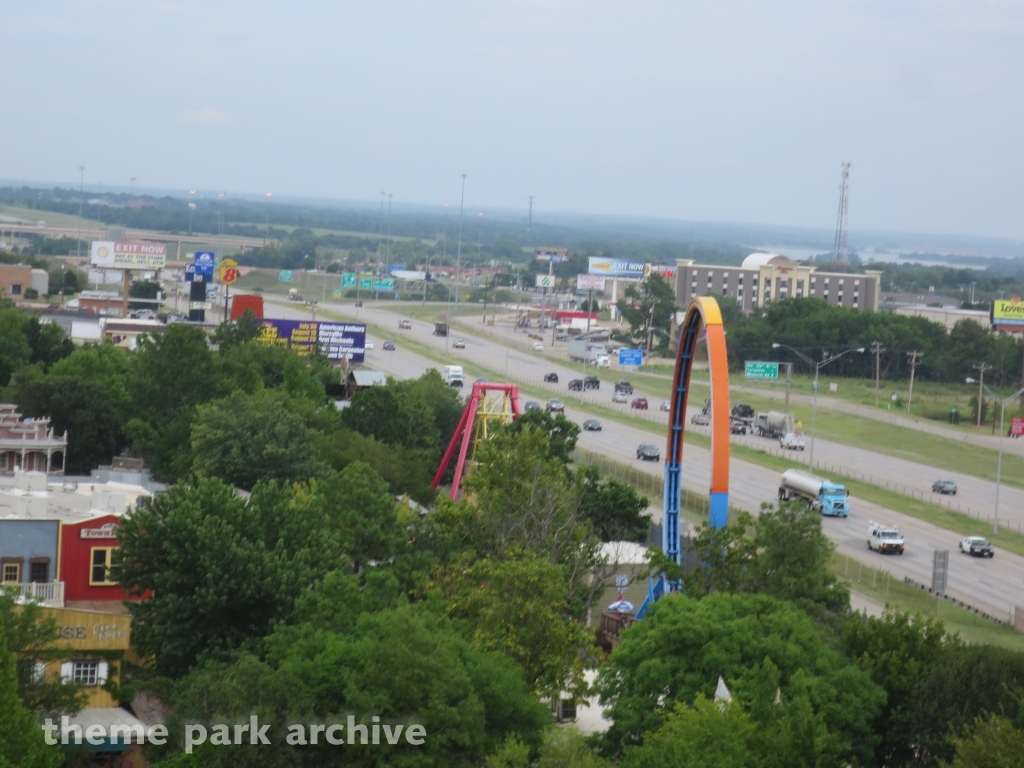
(86, 552)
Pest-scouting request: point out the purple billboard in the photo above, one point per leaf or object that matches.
(339, 341)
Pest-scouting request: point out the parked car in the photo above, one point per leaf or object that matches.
(737, 427)
(576, 385)
(648, 452)
(793, 441)
(459, 344)
(700, 419)
(405, 325)
(591, 382)
(389, 346)
(555, 406)
(538, 346)
(977, 547)
(591, 425)
(531, 405)
(639, 403)
(666, 406)
(142, 314)
(483, 380)
(618, 396)
(368, 344)
(551, 377)
(944, 486)
(624, 386)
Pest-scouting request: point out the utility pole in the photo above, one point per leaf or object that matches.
(914, 358)
(789, 382)
(81, 193)
(981, 383)
(458, 249)
(529, 222)
(878, 349)
(387, 248)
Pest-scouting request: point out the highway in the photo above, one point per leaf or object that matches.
(992, 585)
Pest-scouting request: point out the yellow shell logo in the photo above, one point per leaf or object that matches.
(102, 251)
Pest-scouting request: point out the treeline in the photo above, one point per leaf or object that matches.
(816, 328)
(948, 281)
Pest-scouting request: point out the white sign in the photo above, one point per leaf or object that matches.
(590, 282)
(408, 274)
(546, 281)
(108, 531)
(199, 305)
(123, 255)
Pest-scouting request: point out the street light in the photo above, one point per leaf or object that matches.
(1002, 428)
(817, 367)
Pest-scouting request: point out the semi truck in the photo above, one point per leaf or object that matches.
(586, 351)
(826, 497)
(440, 329)
(773, 424)
(885, 539)
(453, 376)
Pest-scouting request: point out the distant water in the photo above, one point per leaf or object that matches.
(867, 256)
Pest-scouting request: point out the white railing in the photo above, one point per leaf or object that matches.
(46, 593)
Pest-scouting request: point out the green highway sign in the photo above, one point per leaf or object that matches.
(348, 279)
(754, 369)
(285, 276)
(365, 283)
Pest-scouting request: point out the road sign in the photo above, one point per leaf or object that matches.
(285, 276)
(1017, 427)
(546, 281)
(336, 293)
(634, 357)
(204, 263)
(590, 282)
(228, 271)
(754, 369)
(365, 283)
(940, 571)
(348, 279)
(384, 284)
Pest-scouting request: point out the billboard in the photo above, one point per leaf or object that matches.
(590, 283)
(126, 255)
(205, 262)
(631, 357)
(1008, 311)
(552, 254)
(339, 341)
(599, 265)
(546, 281)
(408, 274)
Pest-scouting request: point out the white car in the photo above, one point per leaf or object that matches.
(794, 441)
(666, 406)
(620, 396)
(368, 344)
(459, 344)
(538, 346)
(977, 546)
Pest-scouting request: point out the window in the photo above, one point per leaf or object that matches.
(15, 289)
(101, 565)
(856, 283)
(725, 275)
(39, 570)
(12, 573)
(87, 672)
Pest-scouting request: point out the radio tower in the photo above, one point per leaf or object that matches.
(839, 251)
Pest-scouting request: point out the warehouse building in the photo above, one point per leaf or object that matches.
(767, 277)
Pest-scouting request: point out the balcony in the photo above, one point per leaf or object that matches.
(50, 594)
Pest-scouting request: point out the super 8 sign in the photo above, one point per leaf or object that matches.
(228, 271)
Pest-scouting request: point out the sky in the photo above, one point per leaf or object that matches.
(732, 110)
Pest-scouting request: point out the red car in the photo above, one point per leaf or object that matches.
(639, 403)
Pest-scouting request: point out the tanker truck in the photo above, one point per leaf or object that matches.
(828, 498)
(773, 424)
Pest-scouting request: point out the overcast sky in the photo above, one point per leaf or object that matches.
(723, 110)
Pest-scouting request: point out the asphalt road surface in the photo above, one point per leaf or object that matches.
(992, 585)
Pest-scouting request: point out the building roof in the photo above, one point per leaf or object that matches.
(368, 378)
(758, 260)
(624, 552)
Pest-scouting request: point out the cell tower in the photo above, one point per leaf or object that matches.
(839, 251)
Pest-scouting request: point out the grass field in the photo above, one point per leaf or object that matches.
(51, 218)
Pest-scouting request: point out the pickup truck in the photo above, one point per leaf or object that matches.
(793, 441)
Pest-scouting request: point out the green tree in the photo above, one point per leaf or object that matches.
(406, 471)
(363, 512)
(561, 433)
(15, 350)
(387, 415)
(993, 742)
(219, 570)
(245, 440)
(614, 510)
(103, 364)
(648, 307)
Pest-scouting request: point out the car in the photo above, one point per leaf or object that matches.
(459, 344)
(700, 419)
(624, 386)
(743, 412)
(142, 314)
(639, 403)
(531, 405)
(793, 441)
(591, 425)
(405, 325)
(666, 406)
(944, 486)
(648, 452)
(576, 385)
(555, 406)
(538, 346)
(618, 396)
(977, 547)
(737, 427)
(591, 382)
(389, 346)
(483, 380)
(368, 344)
(551, 377)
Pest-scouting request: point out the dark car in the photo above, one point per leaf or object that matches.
(555, 406)
(531, 405)
(551, 377)
(743, 412)
(389, 346)
(944, 486)
(648, 452)
(576, 385)
(624, 386)
(591, 382)
(591, 425)
(738, 427)
(976, 546)
(639, 403)
(483, 380)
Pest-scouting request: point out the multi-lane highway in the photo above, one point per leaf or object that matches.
(995, 585)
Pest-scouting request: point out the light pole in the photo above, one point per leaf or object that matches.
(266, 235)
(191, 207)
(81, 193)
(458, 250)
(817, 367)
(1002, 428)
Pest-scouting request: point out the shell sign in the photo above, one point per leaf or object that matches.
(118, 255)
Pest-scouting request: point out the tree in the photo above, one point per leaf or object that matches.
(993, 742)
(218, 571)
(648, 307)
(614, 510)
(759, 645)
(386, 414)
(245, 442)
(15, 350)
(407, 472)
(561, 432)
(362, 512)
